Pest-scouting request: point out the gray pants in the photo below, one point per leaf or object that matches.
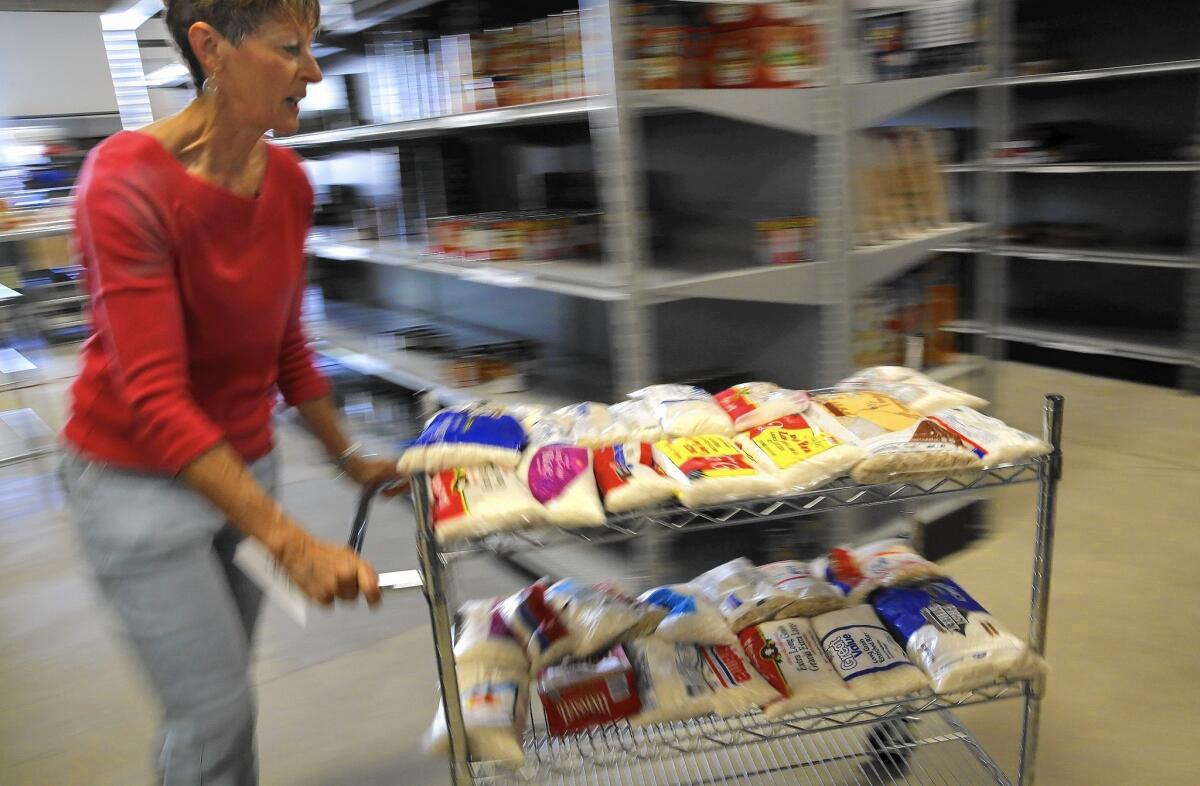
(162, 555)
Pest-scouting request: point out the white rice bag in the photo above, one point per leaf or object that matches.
(679, 681)
(690, 618)
(628, 479)
(536, 625)
(892, 562)
(865, 655)
(476, 501)
(632, 421)
(901, 444)
(481, 637)
(953, 638)
(787, 655)
(560, 477)
(810, 593)
(710, 469)
(495, 707)
(799, 452)
(752, 404)
(741, 593)
(1003, 443)
(591, 425)
(594, 618)
(467, 437)
(911, 388)
(685, 411)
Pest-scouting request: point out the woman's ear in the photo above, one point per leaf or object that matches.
(206, 46)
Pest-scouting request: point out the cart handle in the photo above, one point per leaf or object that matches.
(392, 580)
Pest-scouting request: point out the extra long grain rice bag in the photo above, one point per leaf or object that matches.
(685, 411)
(912, 388)
(865, 655)
(1003, 443)
(560, 477)
(810, 593)
(628, 479)
(787, 654)
(753, 404)
(467, 437)
(690, 617)
(476, 501)
(495, 708)
(679, 681)
(953, 638)
(901, 444)
(743, 596)
(536, 625)
(481, 637)
(710, 469)
(798, 452)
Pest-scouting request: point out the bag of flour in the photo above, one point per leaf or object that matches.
(953, 638)
(468, 437)
(787, 655)
(475, 501)
(560, 477)
(710, 469)
(679, 681)
(810, 593)
(495, 705)
(742, 595)
(1003, 443)
(690, 618)
(628, 479)
(798, 452)
(865, 655)
(753, 404)
(911, 388)
(537, 626)
(481, 637)
(685, 411)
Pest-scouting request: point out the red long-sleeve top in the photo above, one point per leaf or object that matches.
(195, 306)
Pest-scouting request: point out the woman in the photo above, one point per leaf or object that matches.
(192, 233)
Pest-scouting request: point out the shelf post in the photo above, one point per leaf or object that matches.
(1049, 473)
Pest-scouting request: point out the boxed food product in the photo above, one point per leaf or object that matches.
(799, 452)
(711, 469)
(787, 654)
(763, 57)
(661, 58)
(786, 241)
(589, 692)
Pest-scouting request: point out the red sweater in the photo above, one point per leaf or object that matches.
(195, 296)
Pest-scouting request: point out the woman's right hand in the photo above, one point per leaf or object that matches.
(323, 570)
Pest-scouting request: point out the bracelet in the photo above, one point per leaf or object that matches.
(346, 456)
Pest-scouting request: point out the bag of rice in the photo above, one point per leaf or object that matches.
(536, 625)
(467, 437)
(1003, 443)
(685, 411)
(741, 593)
(865, 655)
(649, 615)
(710, 469)
(901, 444)
(799, 452)
(753, 404)
(953, 638)
(690, 618)
(589, 423)
(628, 479)
(560, 477)
(810, 593)
(495, 709)
(475, 501)
(594, 618)
(678, 681)
(632, 421)
(481, 637)
(911, 388)
(788, 656)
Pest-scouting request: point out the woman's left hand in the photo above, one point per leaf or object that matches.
(377, 472)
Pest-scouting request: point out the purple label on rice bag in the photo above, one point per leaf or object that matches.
(553, 468)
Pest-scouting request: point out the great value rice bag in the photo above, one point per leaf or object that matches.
(467, 437)
(810, 593)
(953, 638)
(741, 593)
(628, 479)
(786, 653)
(495, 708)
(690, 617)
(560, 477)
(799, 452)
(685, 411)
(865, 655)
(753, 404)
(475, 501)
(710, 469)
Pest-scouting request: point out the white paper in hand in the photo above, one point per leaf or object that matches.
(257, 563)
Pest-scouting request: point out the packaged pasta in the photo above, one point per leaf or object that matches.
(797, 451)
(468, 437)
(475, 501)
(495, 708)
(685, 411)
(1002, 443)
(742, 595)
(911, 388)
(810, 593)
(628, 479)
(690, 618)
(560, 477)
(481, 637)
(536, 625)
(865, 655)
(710, 469)
(753, 404)
(679, 681)
(953, 638)
(786, 653)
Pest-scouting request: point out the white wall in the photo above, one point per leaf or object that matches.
(53, 64)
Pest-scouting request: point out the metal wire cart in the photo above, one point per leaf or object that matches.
(907, 740)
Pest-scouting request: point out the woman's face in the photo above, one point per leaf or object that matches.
(262, 79)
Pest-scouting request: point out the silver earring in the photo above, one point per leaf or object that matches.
(209, 86)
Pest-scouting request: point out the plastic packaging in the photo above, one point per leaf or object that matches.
(865, 655)
(628, 479)
(536, 625)
(953, 638)
(468, 437)
(883, 563)
(1003, 443)
(911, 388)
(685, 411)
(679, 681)
(743, 596)
(901, 444)
(476, 501)
(594, 616)
(481, 637)
(710, 469)
(786, 653)
(810, 593)
(495, 709)
(632, 421)
(753, 404)
(591, 424)
(798, 452)
(690, 617)
(560, 477)
(579, 694)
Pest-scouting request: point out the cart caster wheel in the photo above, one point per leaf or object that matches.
(889, 747)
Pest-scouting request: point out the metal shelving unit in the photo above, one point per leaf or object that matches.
(1110, 72)
(1155, 346)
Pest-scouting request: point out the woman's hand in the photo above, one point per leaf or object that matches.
(377, 472)
(323, 571)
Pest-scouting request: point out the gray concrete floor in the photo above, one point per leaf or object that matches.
(345, 700)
